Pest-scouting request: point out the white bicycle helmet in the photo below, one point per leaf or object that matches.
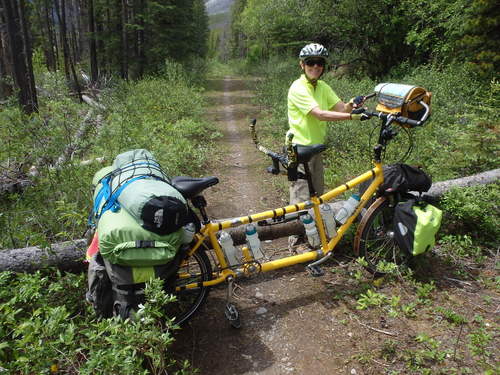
(313, 50)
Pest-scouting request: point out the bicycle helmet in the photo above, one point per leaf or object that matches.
(313, 50)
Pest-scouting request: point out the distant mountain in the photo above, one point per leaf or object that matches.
(218, 6)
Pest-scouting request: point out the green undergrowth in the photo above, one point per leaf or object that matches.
(161, 113)
(425, 320)
(46, 327)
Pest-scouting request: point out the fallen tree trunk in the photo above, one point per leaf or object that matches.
(70, 255)
(65, 256)
(441, 187)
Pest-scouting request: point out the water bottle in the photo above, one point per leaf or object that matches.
(311, 231)
(328, 219)
(253, 241)
(188, 233)
(347, 209)
(226, 242)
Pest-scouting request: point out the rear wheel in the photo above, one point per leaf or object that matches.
(374, 239)
(193, 270)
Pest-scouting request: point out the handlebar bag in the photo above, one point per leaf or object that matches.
(137, 183)
(415, 226)
(402, 99)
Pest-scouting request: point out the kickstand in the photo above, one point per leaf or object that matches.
(231, 312)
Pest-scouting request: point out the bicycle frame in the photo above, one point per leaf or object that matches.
(210, 229)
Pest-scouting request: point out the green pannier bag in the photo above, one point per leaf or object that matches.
(416, 223)
(123, 241)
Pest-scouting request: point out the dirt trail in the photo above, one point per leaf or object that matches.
(289, 325)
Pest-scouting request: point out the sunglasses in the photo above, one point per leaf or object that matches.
(312, 62)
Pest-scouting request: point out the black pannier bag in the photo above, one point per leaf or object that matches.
(401, 178)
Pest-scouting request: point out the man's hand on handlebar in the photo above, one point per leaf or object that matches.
(359, 114)
(357, 102)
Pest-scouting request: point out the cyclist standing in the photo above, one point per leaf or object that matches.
(312, 102)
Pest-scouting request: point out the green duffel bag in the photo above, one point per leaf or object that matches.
(123, 241)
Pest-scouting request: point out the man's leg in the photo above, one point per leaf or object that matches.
(299, 190)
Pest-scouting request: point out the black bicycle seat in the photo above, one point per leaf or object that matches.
(190, 187)
(305, 153)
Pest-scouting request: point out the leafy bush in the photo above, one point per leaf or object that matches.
(474, 210)
(40, 338)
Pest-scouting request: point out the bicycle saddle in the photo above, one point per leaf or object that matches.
(305, 153)
(190, 187)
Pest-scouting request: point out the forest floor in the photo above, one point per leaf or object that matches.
(439, 321)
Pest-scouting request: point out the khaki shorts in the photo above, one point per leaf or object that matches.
(299, 191)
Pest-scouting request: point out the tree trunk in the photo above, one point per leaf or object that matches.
(66, 256)
(94, 73)
(5, 87)
(20, 46)
(124, 49)
(63, 38)
(53, 50)
(69, 255)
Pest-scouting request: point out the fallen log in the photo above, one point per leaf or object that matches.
(439, 188)
(70, 255)
(66, 256)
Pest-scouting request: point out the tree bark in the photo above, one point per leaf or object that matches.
(60, 9)
(5, 87)
(51, 50)
(70, 255)
(94, 73)
(20, 46)
(125, 48)
(66, 256)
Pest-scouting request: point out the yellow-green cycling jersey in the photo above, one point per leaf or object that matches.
(302, 98)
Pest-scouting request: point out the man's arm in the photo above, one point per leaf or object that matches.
(339, 112)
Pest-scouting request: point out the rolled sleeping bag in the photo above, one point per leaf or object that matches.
(137, 183)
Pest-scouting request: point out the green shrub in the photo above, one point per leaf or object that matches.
(474, 210)
(37, 337)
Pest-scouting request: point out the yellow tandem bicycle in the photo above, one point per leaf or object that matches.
(373, 239)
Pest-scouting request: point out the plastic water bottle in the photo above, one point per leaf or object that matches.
(347, 209)
(328, 219)
(311, 231)
(253, 241)
(227, 244)
(188, 234)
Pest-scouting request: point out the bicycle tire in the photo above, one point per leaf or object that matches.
(199, 269)
(374, 240)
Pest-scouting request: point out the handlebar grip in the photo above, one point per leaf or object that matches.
(409, 121)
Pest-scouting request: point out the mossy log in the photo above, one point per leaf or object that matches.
(70, 255)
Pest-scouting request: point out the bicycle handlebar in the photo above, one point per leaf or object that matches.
(402, 119)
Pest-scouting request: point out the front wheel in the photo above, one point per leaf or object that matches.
(374, 240)
(193, 270)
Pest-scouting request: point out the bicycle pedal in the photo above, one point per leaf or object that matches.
(315, 271)
(232, 314)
